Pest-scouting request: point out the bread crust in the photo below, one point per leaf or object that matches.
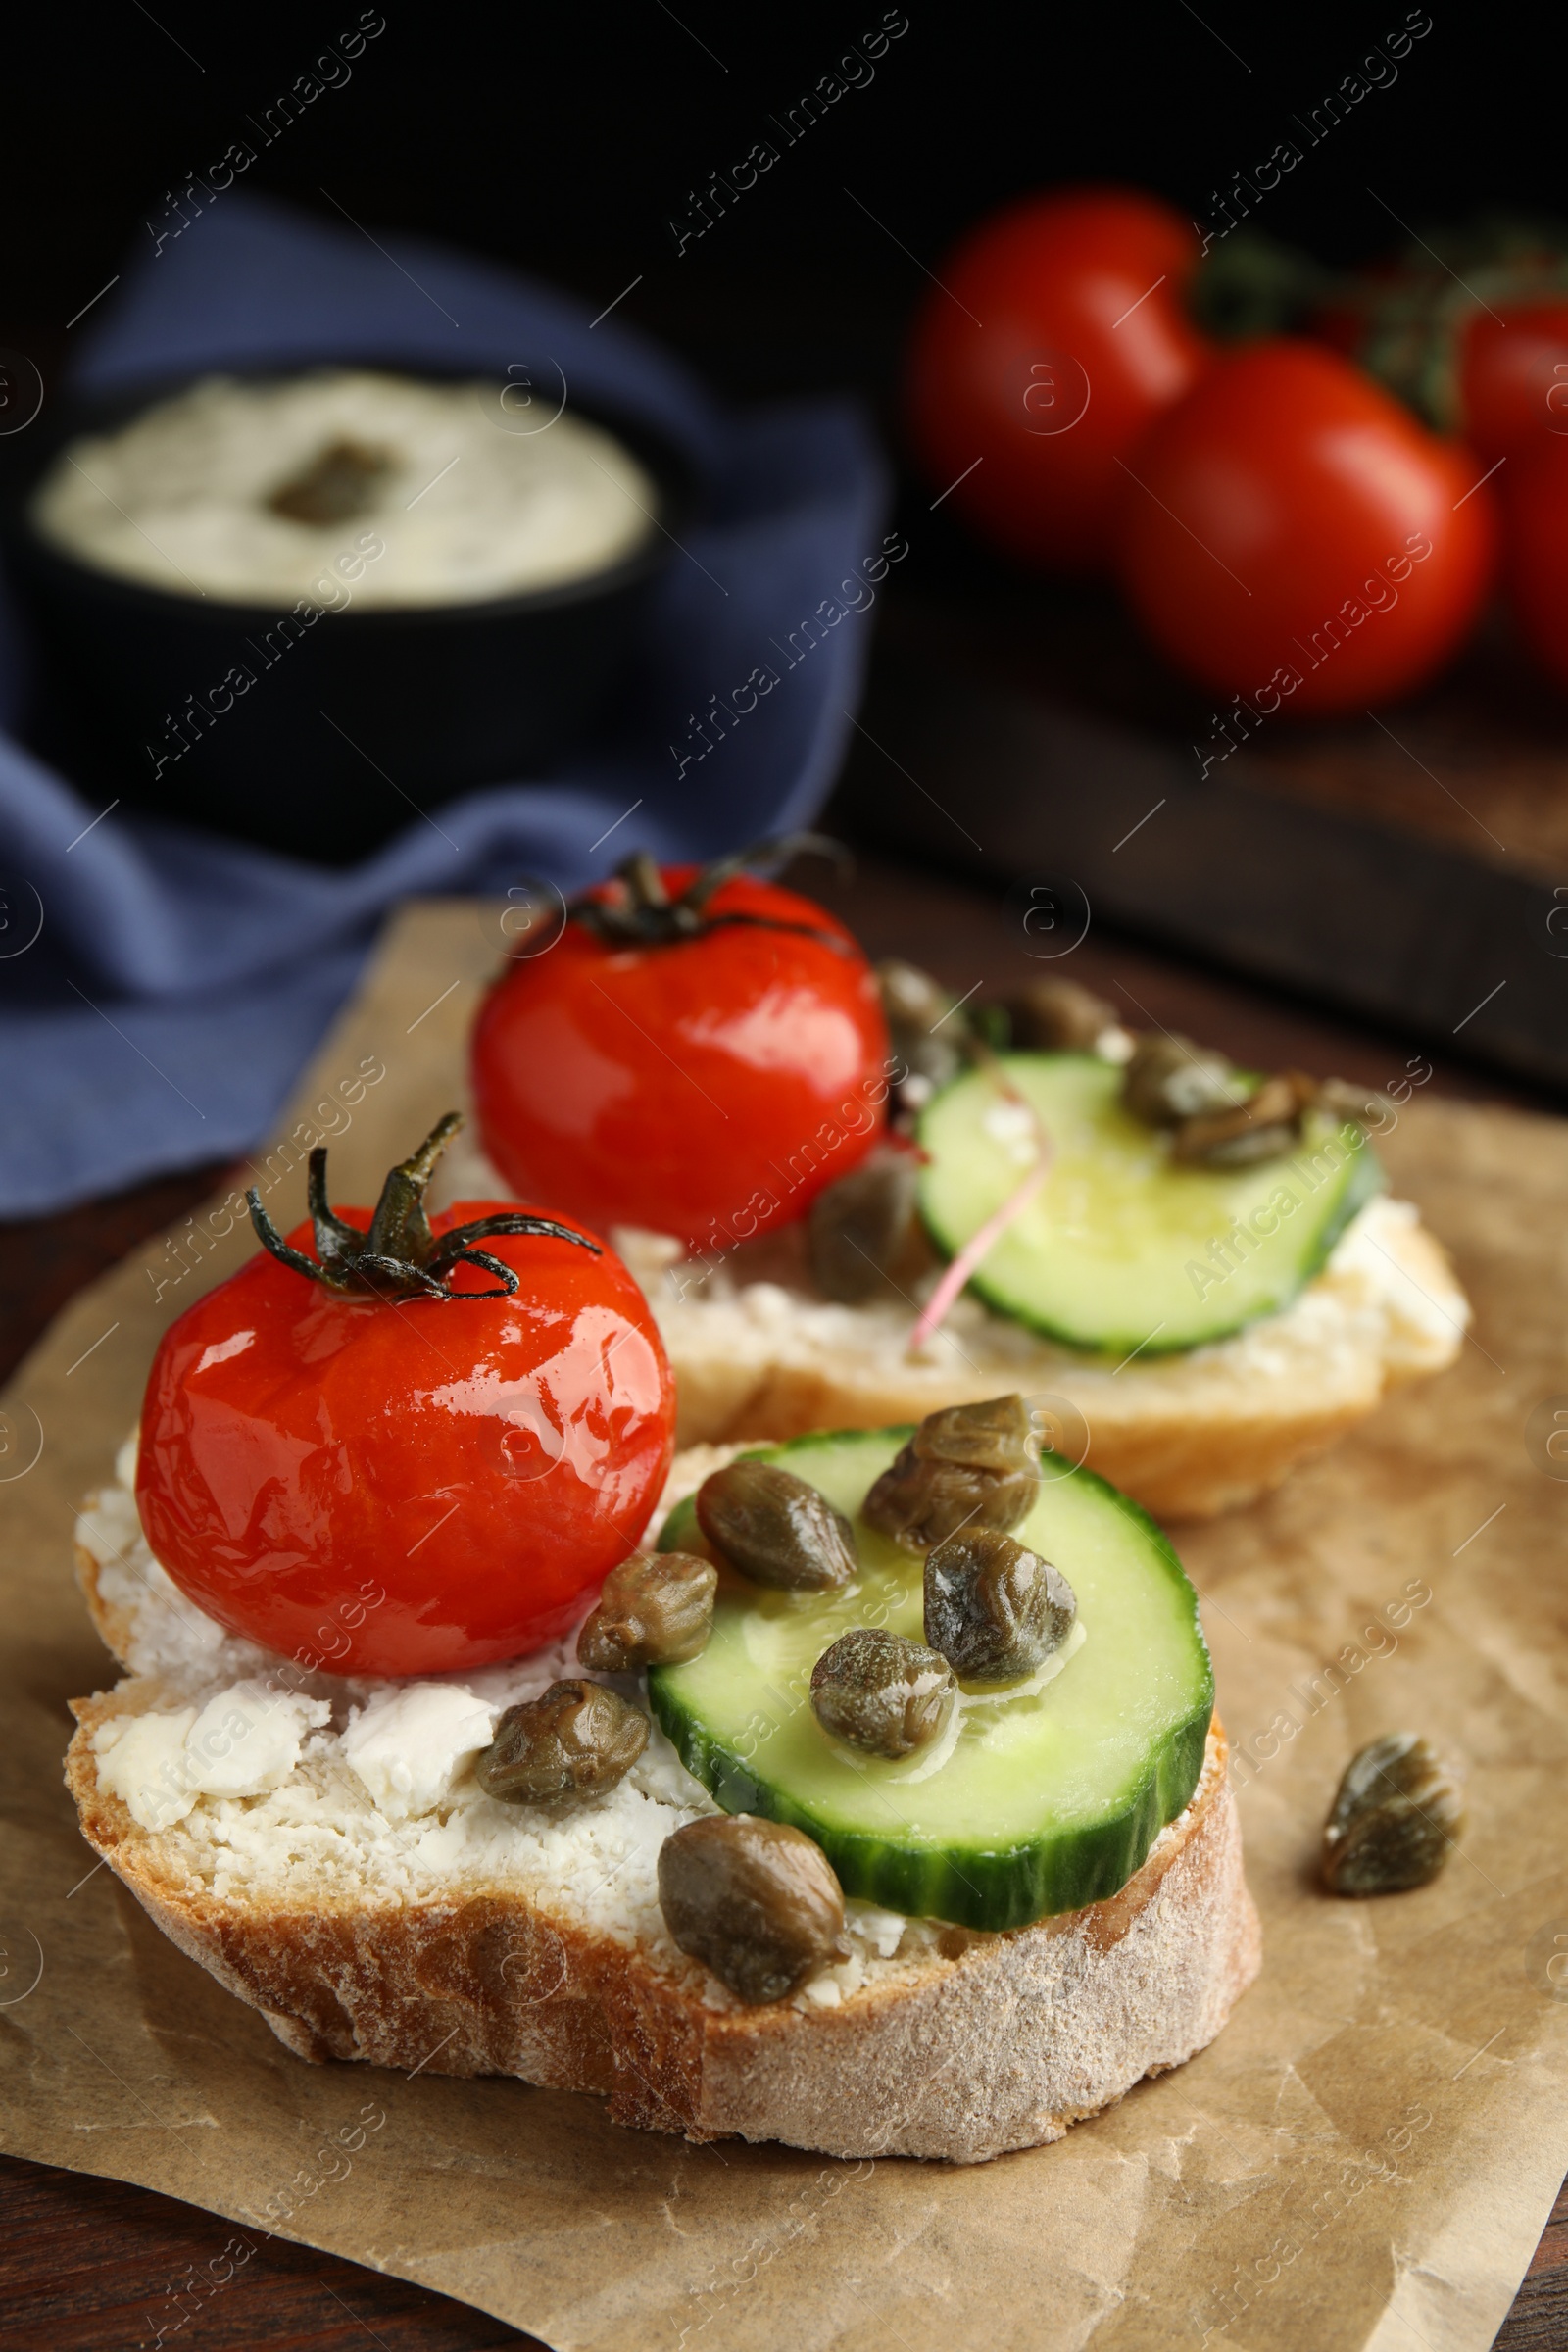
(983, 2044)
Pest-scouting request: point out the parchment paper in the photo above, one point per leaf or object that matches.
(1366, 2156)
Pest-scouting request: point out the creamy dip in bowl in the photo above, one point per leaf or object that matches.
(308, 607)
(241, 490)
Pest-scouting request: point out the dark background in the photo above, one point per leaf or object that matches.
(565, 139)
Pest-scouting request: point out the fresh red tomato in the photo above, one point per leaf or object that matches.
(1483, 353)
(706, 1086)
(1054, 338)
(407, 1486)
(1534, 494)
(1513, 379)
(1295, 532)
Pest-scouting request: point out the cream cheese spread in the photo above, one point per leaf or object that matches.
(361, 1790)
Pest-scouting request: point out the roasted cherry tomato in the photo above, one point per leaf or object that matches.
(1535, 522)
(697, 1055)
(1054, 338)
(402, 1468)
(1294, 533)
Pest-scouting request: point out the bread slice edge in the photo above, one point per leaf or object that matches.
(979, 2046)
(1187, 1436)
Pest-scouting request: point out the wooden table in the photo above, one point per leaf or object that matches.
(86, 2264)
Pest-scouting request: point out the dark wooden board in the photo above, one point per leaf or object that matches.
(1410, 867)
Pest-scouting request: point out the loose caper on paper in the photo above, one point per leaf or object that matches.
(652, 1611)
(754, 1900)
(994, 1609)
(1395, 1817)
(775, 1529)
(969, 1463)
(574, 1738)
(862, 1227)
(882, 1693)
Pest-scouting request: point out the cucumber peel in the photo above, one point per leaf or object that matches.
(1052, 1791)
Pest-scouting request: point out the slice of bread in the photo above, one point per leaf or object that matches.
(758, 1355)
(374, 1904)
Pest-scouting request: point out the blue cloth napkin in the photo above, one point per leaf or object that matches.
(160, 987)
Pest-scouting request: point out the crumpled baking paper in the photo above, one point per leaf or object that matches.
(1365, 2158)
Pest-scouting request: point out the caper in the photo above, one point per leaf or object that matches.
(969, 1463)
(1058, 1017)
(754, 1900)
(994, 1609)
(340, 482)
(1394, 1817)
(882, 1693)
(863, 1226)
(924, 1028)
(1363, 1105)
(575, 1738)
(1266, 1124)
(651, 1612)
(997, 1434)
(775, 1529)
(1169, 1079)
(911, 1000)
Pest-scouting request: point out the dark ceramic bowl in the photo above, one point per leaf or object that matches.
(351, 724)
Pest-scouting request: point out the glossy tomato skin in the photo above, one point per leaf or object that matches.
(1295, 534)
(1513, 379)
(1060, 338)
(1535, 514)
(406, 1488)
(709, 1089)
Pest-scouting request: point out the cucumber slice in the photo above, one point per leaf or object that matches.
(1119, 1250)
(1048, 1794)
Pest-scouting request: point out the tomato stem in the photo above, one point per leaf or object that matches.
(642, 913)
(400, 1257)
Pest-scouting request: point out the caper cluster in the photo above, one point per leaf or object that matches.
(1219, 1118)
(934, 1034)
(756, 1901)
(865, 1235)
(993, 1609)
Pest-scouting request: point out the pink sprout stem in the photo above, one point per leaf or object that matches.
(975, 1248)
